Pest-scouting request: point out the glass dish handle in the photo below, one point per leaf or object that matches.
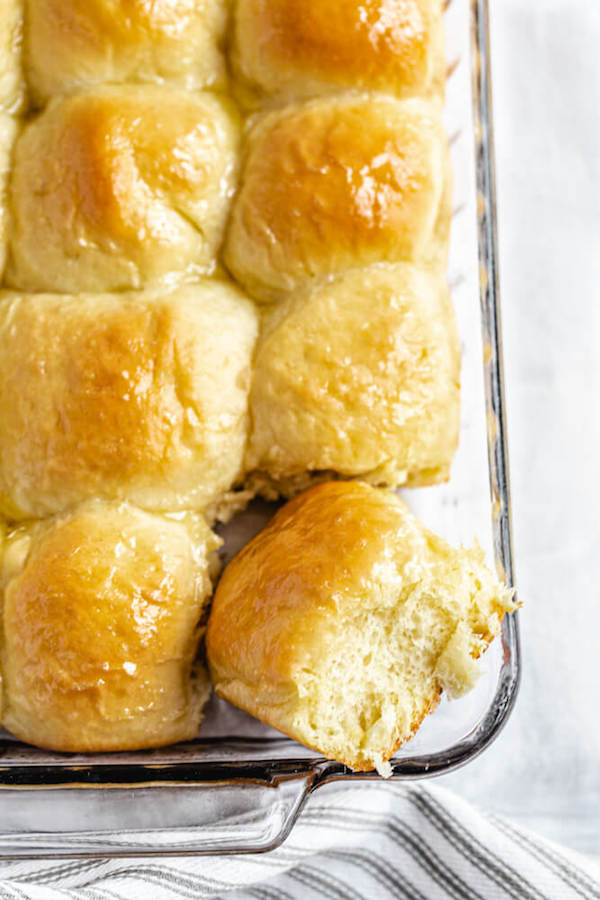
(249, 815)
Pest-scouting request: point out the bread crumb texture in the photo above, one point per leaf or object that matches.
(343, 621)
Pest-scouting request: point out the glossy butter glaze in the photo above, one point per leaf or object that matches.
(71, 45)
(339, 183)
(121, 188)
(137, 396)
(100, 624)
(284, 49)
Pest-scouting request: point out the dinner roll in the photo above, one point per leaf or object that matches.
(338, 183)
(101, 613)
(124, 187)
(124, 396)
(360, 377)
(292, 50)
(12, 85)
(76, 44)
(341, 623)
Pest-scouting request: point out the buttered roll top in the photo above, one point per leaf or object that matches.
(134, 396)
(359, 377)
(100, 625)
(124, 187)
(74, 44)
(285, 50)
(338, 183)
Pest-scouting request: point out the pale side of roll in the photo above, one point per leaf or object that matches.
(8, 134)
(12, 83)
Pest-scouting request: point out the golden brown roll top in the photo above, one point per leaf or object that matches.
(12, 84)
(133, 396)
(339, 183)
(341, 623)
(121, 188)
(359, 377)
(290, 50)
(100, 626)
(76, 44)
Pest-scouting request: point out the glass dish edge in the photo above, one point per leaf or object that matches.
(290, 782)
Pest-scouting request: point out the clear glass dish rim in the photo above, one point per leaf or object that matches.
(315, 772)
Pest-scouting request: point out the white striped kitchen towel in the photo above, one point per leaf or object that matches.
(372, 840)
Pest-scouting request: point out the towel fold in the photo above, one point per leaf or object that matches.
(370, 840)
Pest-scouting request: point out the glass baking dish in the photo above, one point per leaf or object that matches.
(240, 786)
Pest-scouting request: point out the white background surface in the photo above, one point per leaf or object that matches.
(544, 770)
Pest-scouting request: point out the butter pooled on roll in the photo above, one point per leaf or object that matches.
(134, 396)
(289, 50)
(341, 623)
(360, 377)
(101, 618)
(76, 44)
(339, 183)
(119, 188)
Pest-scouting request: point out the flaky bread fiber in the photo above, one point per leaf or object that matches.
(338, 183)
(133, 396)
(101, 613)
(360, 377)
(285, 50)
(121, 188)
(342, 622)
